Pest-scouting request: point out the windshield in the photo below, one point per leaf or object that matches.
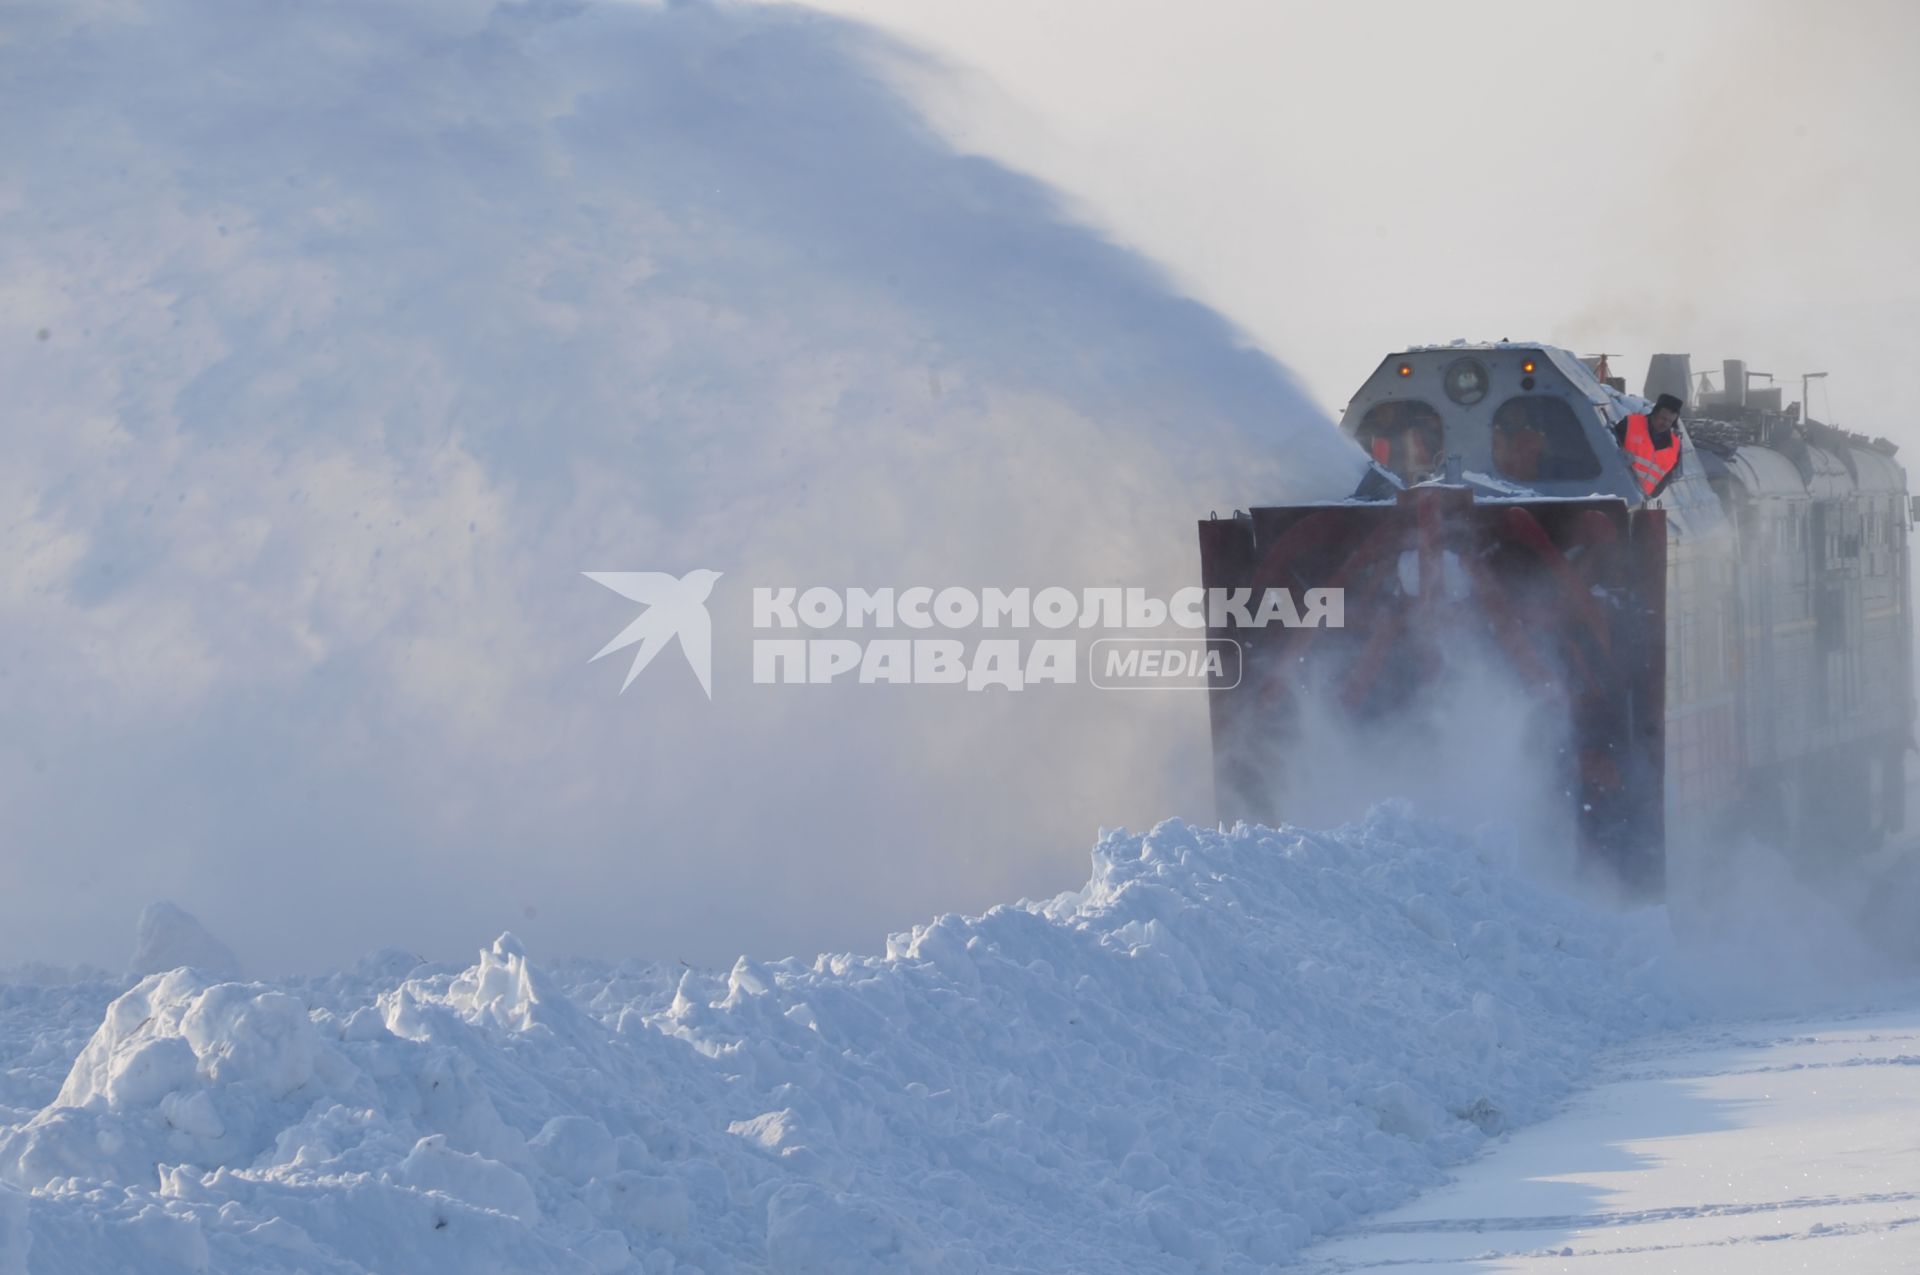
(1403, 435)
(1537, 438)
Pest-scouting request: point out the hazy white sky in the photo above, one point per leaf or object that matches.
(1725, 178)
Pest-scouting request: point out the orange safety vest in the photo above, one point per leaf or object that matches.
(1650, 463)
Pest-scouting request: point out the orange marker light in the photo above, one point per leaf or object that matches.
(1406, 369)
(1527, 367)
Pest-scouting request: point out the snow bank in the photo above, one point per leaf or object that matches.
(14, 1236)
(1225, 1043)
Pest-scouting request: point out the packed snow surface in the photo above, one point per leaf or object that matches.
(1226, 1043)
(1758, 1147)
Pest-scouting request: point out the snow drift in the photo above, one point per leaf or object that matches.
(1225, 1043)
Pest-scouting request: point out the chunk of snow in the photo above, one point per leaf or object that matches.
(168, 937)
(574, 1149)
(432, 1165)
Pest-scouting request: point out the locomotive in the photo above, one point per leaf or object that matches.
(1729, 653)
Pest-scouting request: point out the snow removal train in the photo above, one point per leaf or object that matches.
(1727, 652)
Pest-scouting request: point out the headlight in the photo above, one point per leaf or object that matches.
(1466, 381)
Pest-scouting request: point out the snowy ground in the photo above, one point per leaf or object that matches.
(1766, 1146)
(1225, 1044)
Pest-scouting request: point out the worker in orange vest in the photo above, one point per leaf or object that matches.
(1651, 444)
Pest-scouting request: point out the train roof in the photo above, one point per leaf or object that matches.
(1617, 404)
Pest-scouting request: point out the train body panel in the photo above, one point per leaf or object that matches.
(1746, 665)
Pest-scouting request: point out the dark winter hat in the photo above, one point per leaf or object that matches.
(1668, 400)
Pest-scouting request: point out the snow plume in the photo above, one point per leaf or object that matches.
(1757, 927)
(1765, 928)
(1223, 1044)
(1770, 918)
(340, 338)
(1473, 750)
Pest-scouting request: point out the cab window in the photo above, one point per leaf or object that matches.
(1403, 435)
(1537, 438)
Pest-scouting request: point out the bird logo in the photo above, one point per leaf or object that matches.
(675, 608)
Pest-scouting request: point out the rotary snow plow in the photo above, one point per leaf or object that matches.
(1707, 668)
